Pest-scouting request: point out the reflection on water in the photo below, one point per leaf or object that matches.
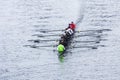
(61, 58)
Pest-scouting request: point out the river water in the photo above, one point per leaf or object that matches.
(94, 53)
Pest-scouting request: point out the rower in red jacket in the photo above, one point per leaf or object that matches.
(72, 26)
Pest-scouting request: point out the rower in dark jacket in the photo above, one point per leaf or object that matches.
(63, 40)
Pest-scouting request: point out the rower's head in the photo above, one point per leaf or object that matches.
(61, 41)
(63, 35)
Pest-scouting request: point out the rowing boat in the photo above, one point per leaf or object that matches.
(66, 42)
(98, 39)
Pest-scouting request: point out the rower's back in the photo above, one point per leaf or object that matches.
(63, 40)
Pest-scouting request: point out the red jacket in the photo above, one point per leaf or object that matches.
(72, 26)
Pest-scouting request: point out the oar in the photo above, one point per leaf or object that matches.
(40, 41)
(85, 42)
(32, 46)
(96, 41)
(45, 31)
(93, 47)
(94, 35)
(36, 46)
(99, 30)
(78, 31)
(39, 35)
(91, 35)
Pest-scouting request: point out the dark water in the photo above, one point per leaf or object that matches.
(95, 49)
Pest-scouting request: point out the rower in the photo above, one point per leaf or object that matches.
(72, 26)
(69, 31)
(63, 40)
(61, 48)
